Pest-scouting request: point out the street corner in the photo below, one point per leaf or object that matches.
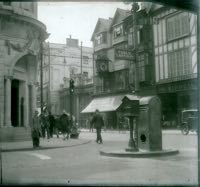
(51, 143)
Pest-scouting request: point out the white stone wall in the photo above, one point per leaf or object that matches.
(19, 50)
(22, 8)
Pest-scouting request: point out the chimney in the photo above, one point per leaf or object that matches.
(70, 42)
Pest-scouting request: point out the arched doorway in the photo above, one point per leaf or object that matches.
(23, 91)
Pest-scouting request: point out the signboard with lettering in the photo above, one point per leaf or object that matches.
(124, 54)
(178, 86)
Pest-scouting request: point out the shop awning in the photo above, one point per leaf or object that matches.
(104, 104)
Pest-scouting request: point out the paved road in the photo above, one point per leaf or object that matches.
(84, 165)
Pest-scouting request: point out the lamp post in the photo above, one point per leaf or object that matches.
(41, 77)
(71, 92)
(49, 85)
(81, 64)
(134, 9)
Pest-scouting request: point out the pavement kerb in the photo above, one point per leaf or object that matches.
(42, 147)
(139, 154)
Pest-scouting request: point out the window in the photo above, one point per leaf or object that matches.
(118, 31)
(85, 60)
(100, 38)
(140, 35)
(142, 63)
(178, 62)
(177, 26)
(141, 67)
(131, 37)
(7, 3)
(85, 74)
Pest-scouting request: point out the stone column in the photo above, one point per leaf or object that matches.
(33, 89)
(2, 100)
(8, 101)
(26, 104)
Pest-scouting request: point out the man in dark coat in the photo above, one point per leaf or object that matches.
(52, 124)
(35, 130)
(98, 122)
(42, 123)
(65, 126)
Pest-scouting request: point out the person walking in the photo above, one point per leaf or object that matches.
(98, 123)
(47, 123)
(52, 124)
(35, 130)
(90, 124)
(65, 125)
(42, 124)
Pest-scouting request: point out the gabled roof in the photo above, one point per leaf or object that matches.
(101, 25)
(119, 16)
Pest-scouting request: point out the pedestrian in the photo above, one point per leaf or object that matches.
(57, 126)
(35, 130)
(98, 123)
(91, 125)
(52, 124)
(42, 124)
(65, 125)
(47, 123)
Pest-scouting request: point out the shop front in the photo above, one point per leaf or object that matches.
(176, 97)
(108, 106)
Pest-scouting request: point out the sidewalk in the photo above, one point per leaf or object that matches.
(52, 143)
(60, 143)
(164, 131)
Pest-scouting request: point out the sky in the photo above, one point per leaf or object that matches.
(77, 19)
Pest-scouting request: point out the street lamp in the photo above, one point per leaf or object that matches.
(134, 9)
(71, 91)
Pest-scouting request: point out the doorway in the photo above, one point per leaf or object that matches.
(15, 102)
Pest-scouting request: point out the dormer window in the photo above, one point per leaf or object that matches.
(118, 31)
(100, 38)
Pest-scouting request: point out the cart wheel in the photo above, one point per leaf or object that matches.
(185, 129)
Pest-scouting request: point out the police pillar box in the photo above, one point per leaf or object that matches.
(149, 128)
(130, 109)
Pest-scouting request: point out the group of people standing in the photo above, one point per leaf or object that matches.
(44, 124)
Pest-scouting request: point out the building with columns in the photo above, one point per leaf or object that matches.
(21, 36)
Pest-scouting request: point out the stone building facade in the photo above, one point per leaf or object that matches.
(61, 62)
(21, 35)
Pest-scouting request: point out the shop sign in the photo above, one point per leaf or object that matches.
(123, 54)
(174, 87)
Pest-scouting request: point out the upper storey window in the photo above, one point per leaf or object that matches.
(130, 37)
(178, 26)
(100, 38)
(118, 31)
(7, 3)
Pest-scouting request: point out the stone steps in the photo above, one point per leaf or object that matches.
(10, 134)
